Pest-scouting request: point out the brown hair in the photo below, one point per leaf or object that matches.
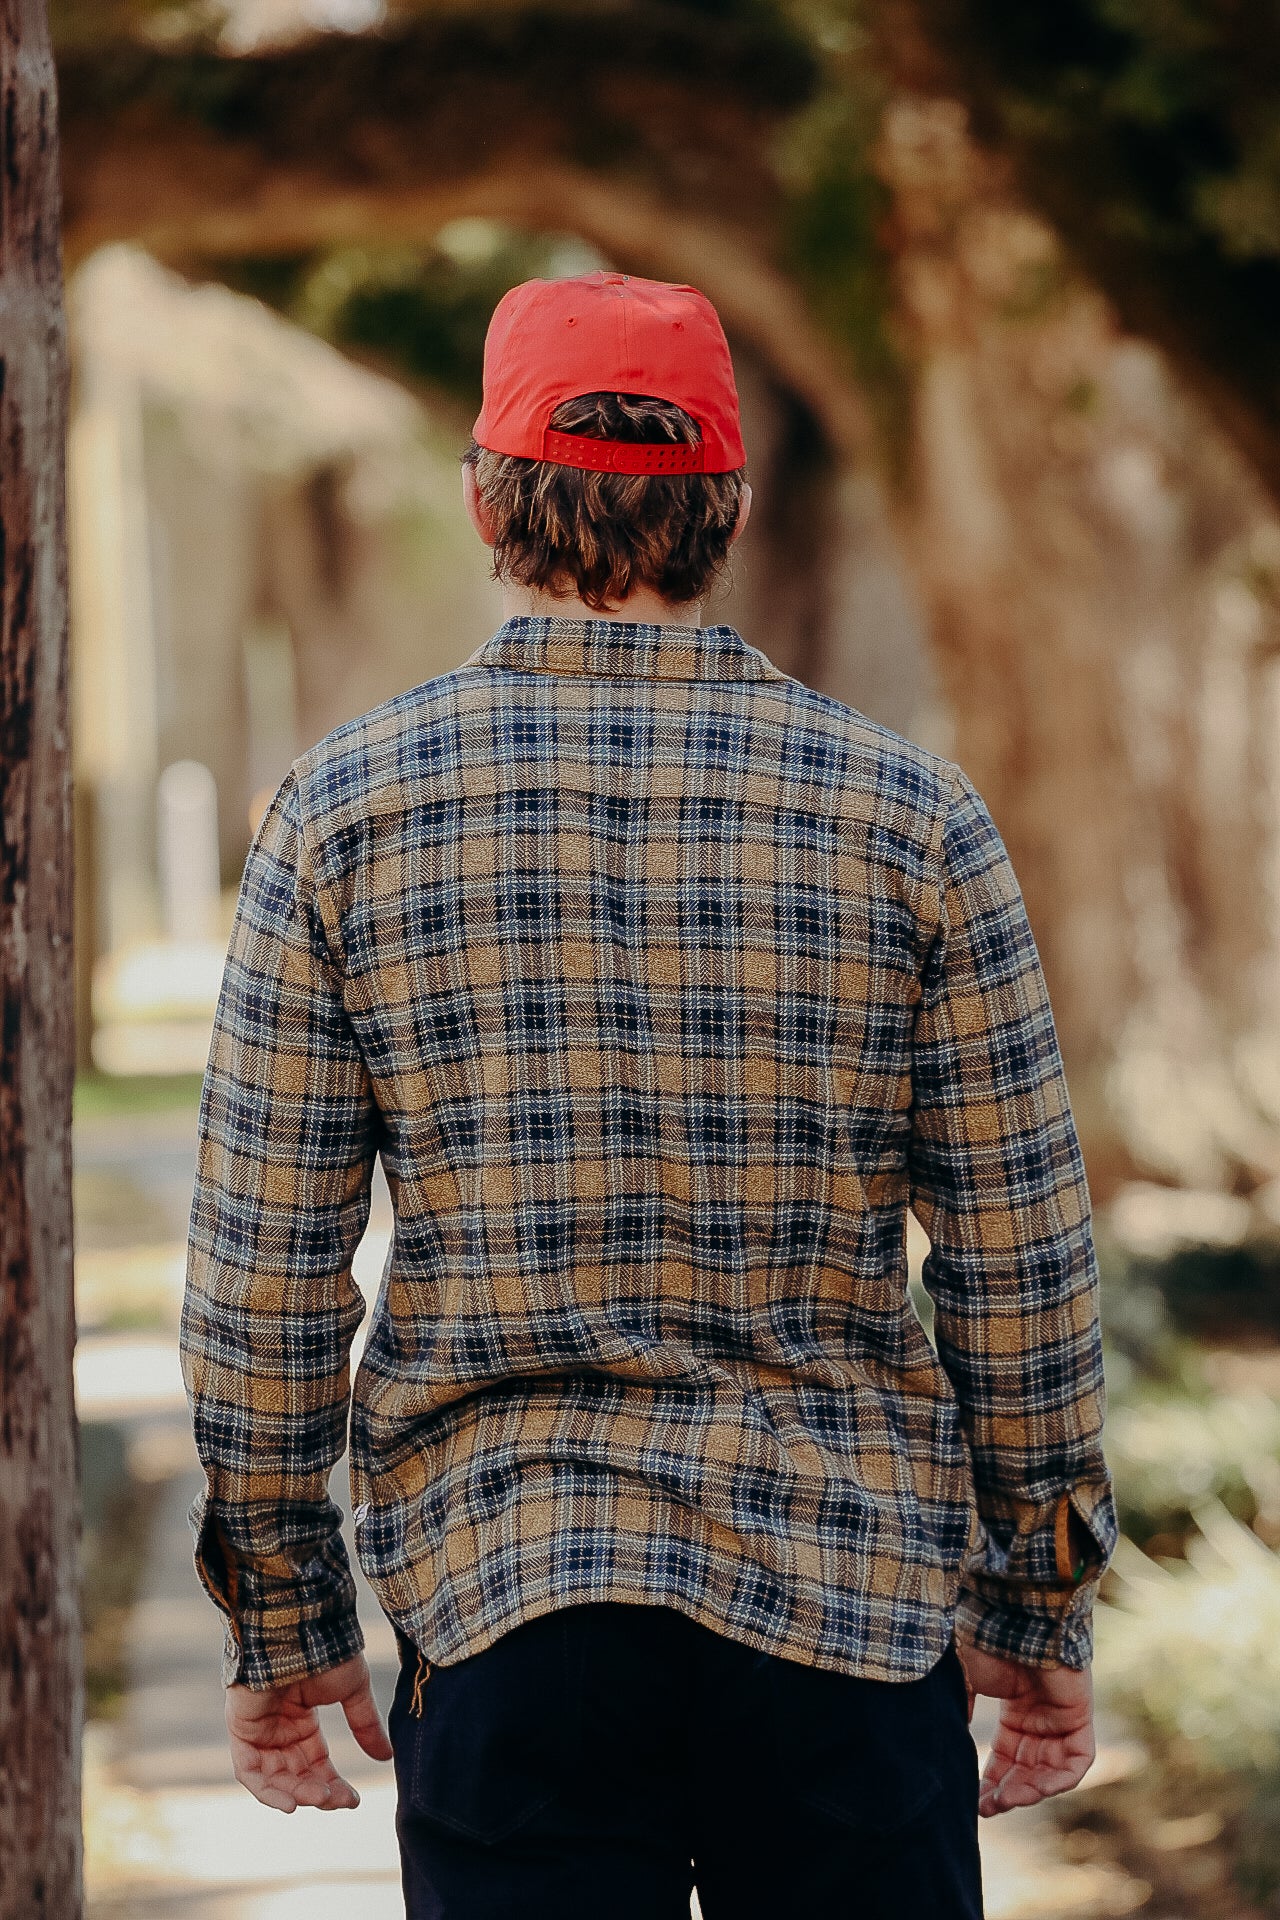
(603, 535)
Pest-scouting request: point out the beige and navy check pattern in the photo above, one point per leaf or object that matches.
(663, 985)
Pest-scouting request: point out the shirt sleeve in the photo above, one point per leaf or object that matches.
(998, 1184)
(287, 1140)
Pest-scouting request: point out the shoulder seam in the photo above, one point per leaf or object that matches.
(330, 923)
(948, 770)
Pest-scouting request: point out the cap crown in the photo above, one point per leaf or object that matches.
(553, 340)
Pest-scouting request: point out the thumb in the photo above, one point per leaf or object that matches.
(365, 1722)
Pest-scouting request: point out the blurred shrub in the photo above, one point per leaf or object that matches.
(1218, 1292)
(1212, 1260)
(1172, 1439)
(1141, 1339)
(118, 1510)
(1189, 1655)
(113, 1095)
(1170, 1453)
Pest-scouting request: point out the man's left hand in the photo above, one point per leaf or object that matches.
(278, 1749)
(1044, 1743)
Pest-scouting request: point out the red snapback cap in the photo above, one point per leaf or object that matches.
(552, 340)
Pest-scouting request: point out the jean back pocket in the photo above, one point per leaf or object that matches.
(487, 1748)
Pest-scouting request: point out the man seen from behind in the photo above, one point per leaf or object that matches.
(663, 986)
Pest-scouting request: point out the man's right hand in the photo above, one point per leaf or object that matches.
(278, 1748)
(1044, 1743)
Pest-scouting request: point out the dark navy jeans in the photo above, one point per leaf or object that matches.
(598, 1762)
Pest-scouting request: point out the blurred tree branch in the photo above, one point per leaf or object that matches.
(646, 131)
(1150, 138)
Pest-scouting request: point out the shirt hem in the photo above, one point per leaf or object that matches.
(864, 1664)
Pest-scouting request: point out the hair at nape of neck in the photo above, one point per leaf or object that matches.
(601, 536)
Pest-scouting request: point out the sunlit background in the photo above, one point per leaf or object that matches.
(1016, 498)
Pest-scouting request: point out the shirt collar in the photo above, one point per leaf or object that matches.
(624, 648)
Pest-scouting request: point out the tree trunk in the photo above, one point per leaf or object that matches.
(1099, 565)
(40, 1666)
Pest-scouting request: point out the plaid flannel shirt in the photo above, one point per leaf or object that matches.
(663, 985)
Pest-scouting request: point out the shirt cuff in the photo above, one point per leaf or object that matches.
(1036, 1606)
(299, 1633)
(1034, 1629)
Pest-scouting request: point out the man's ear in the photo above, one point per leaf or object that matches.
(744, 513)
(477, 506)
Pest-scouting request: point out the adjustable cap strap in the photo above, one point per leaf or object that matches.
(622, 456)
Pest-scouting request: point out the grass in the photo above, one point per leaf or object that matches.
(98, 1094)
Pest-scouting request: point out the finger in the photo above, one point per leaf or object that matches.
(1004, 1787)
(327, 1789)
(1026, 1786)
(1051, 1722)
(317, 1785)
(1036, 1751)
(991, 1791)
(264, 1790)
(272, 1797)
(342, 1796)
(249, 1762)
(1015, 1790)
(279, 1769)
(1059, 1775)
(326, 1792)
(309, 1776)
(310, 1791)
(365, 1723)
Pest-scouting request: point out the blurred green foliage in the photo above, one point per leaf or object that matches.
(423, 313)
(1175, 101)
(1219, 1292)
(1187, 1642)
(1148, 133)
(78, 24)
(835, 214)
(106, 1093)
(1171, 1451)
(1174, 1437)
(1188, 1656)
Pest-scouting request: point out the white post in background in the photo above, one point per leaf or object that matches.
(114, 670)
(187, 827)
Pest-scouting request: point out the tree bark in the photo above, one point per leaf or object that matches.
(40, 1666)
(1094, 557)
(1121, 197)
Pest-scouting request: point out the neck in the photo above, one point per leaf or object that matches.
(644, 607)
